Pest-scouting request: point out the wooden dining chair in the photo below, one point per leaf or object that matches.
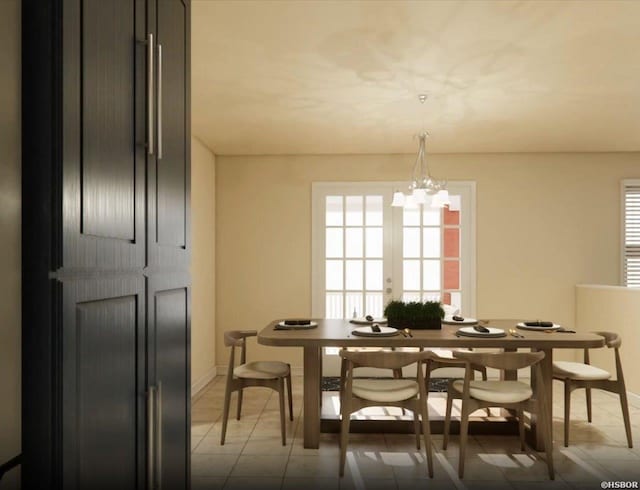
(404, 393)
(513, 395)
(576, 375)
(269, 374)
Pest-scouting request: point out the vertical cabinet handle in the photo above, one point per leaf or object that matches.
(159, 436)
(151, 436)
(159, 101)
(150, 74)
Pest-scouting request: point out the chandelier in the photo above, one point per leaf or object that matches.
(423, 189)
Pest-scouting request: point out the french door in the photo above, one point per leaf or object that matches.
(366, 253)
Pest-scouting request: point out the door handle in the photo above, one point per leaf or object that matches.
(159, 436)
(150, 84)
(159, 101)
(151, 436)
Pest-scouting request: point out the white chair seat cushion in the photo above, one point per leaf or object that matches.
(578, 370)
(496, 391)
(262, 370)
(385, 390)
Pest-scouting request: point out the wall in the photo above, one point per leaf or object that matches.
(10, 232)
(10, 229)
(203, 342)
(616, 309)
(545, 222)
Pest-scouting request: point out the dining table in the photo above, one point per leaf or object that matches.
(339, 333)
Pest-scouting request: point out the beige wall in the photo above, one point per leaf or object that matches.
(10, 234)
(203, 342)
(545, 222)
(616, 309)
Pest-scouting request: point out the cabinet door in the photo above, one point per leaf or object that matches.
(169, 172)
(168, 317)
(101, 194)
(103, 191)
(103, 383)
(168, 244)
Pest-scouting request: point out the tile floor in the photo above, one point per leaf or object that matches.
(253, 457)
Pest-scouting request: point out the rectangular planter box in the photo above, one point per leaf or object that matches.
(427, 324)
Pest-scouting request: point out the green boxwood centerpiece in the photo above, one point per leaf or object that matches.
(414, 314)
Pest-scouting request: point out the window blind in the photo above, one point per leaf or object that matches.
(631, 232)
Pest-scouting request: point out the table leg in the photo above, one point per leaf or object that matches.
(546, 366)
(311, 402)
(509, 375)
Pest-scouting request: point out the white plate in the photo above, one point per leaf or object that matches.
(283, 326)
(364, 321)
(471, 332)
(367, 332)
(527, 327)
(447, 320)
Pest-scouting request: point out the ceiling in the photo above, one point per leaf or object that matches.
(342, 77)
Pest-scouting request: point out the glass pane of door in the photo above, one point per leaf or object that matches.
(428, 257)
(356, 252)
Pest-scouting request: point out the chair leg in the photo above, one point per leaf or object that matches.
(447, 422)
(567, 411)
(625, 415)
(464, 429)
(343, 374)
(290, 398)
(426, 434)
(225, 413)
(416, 426)
(547, 435)
(282, 422)
(588, 395)
(344, 434)
(239, 403)
(521, 428)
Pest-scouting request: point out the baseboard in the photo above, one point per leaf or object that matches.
(634, 398)
(198, 385)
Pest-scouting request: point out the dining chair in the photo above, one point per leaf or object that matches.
(514, 395)
(269, 374)
(405, 393)
(576, 375)
(452, 362)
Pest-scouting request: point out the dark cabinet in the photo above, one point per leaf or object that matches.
(106, 246)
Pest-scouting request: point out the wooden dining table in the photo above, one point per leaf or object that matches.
(338, 333)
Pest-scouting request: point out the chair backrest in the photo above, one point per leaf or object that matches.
(384, 359)
(237, 338)
(501, 360)
(611, 339)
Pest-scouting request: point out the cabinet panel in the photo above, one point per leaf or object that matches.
(108, 112)
(170, 340)
(103, 383)
(171, 185)
(169, 176)
(103, 153)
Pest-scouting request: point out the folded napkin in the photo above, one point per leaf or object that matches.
(538, 323)
(297, 322)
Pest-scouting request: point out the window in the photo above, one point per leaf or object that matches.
(630, 191)
(366, 253)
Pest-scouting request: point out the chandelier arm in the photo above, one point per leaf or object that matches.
(417, 169)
